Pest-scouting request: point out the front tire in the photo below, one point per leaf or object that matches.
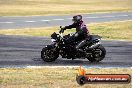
(98, 54)
(49, 54)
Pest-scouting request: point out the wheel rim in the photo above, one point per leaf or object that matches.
(48, 54)
(97, 54)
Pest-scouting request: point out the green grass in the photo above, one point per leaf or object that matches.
(113, 30)
(57, 7)
(54, 77)
(109, 30)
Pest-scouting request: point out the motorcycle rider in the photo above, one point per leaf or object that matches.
(81, 31)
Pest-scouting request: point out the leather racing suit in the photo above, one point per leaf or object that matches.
(81, 33)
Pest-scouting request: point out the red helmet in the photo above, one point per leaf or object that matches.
(77, 18)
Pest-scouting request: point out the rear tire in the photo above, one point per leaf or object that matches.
(49, 55)
(96, 57)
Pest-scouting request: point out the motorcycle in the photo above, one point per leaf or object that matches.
(92, 50)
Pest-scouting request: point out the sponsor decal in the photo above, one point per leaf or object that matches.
(83, 78)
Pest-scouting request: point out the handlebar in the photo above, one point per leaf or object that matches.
(61, 34)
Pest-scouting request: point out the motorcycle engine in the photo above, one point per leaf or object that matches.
(66, 52)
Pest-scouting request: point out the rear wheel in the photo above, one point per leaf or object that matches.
(98, 54)
(49, 54)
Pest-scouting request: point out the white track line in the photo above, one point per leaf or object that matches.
(7, 22)
(91, 17)
(45, 20)
(100, 67)
(30, 21)
(52, 66)
(100, 17)
(125, 15)
(69, 18)
(72, 67)
(108, 16)
(58, 19)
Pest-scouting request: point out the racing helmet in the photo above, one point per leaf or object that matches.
(77, 18)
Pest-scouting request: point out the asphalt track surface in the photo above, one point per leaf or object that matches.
(20, 51)
(44, 21)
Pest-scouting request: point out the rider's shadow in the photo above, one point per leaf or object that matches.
(65, 62)
(78, 62)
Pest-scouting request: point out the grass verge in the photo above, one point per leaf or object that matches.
(110, 30)
(57, 7)
(54, 77)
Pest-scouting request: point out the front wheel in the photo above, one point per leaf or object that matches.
(98, 54)
(49, 54)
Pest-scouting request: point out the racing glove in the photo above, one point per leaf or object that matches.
(62, 30)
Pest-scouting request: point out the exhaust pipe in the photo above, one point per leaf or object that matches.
(95, 45)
